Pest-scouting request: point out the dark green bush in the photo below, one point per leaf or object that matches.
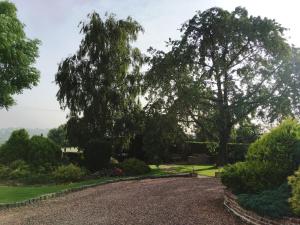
(97, 154)
(37, 178)
(268, 162)
(68, 173)
(237, 152)
(76, 158)
(273, 203)
(294, 182)
(43, 151)
(134, 167)
(16, 148)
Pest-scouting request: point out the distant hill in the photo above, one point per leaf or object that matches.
(5, 132)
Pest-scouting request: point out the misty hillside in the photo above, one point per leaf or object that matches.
(5, 132)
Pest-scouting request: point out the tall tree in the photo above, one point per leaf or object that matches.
(226, 67)
(100, 83)
(59, 136)
(17, 56)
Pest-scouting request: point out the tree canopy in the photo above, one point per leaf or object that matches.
(99, 84)
(227, 67)
(17, 56)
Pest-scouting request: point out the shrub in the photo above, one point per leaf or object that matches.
(37, 178)
(19, 169)
(252, 176)
(237, 152)
(278, 146)
(134, 167)
(43, 151)
(16, 147)
(268, 162)
(294, 182)
(271, 203)
(97, 154)
(4, 171)
(68, 173)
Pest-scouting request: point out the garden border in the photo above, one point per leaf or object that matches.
(230, 202)
(70, 190)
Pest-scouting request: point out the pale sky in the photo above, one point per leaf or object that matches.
(55, 23)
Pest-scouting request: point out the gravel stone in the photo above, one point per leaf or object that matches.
(168, 201)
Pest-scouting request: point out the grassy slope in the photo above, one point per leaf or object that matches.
(10, 194)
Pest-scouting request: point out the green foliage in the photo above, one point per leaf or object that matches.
(101, 82)
(269, 161)
(4, 171)
(252, 176)
(246, 132)
(19, 169)
(43, 152)
(278, 146)
(97, 154)
(68, 173)
(17, 56)
(134, 167)
(59, 135)
(162, 135)
(236, 151)
(294, 182)
(37, 151)
(271, 203)
(219, 52)
(16, 147)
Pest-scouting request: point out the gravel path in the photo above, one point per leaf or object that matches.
(169, 201)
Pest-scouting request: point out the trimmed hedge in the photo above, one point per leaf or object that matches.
(236, 151)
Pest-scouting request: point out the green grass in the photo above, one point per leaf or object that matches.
(11, 194)
(205, 170)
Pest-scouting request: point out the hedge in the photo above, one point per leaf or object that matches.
(236, 151)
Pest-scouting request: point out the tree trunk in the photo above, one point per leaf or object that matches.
(222, 149)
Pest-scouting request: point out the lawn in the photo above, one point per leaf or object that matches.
(10, 194)
(205, 170)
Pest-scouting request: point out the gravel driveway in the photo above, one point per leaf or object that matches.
(169, 201)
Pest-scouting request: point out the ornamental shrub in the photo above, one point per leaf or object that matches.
(134, 167)
(252, 177)
(279, 146)
(269, 161)
(97, 154)
(273, 203)
(68, 173)
(294, 182)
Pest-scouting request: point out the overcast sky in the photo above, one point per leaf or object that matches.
(55, 23)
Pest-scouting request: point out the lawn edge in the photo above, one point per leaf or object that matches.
(75, 189)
